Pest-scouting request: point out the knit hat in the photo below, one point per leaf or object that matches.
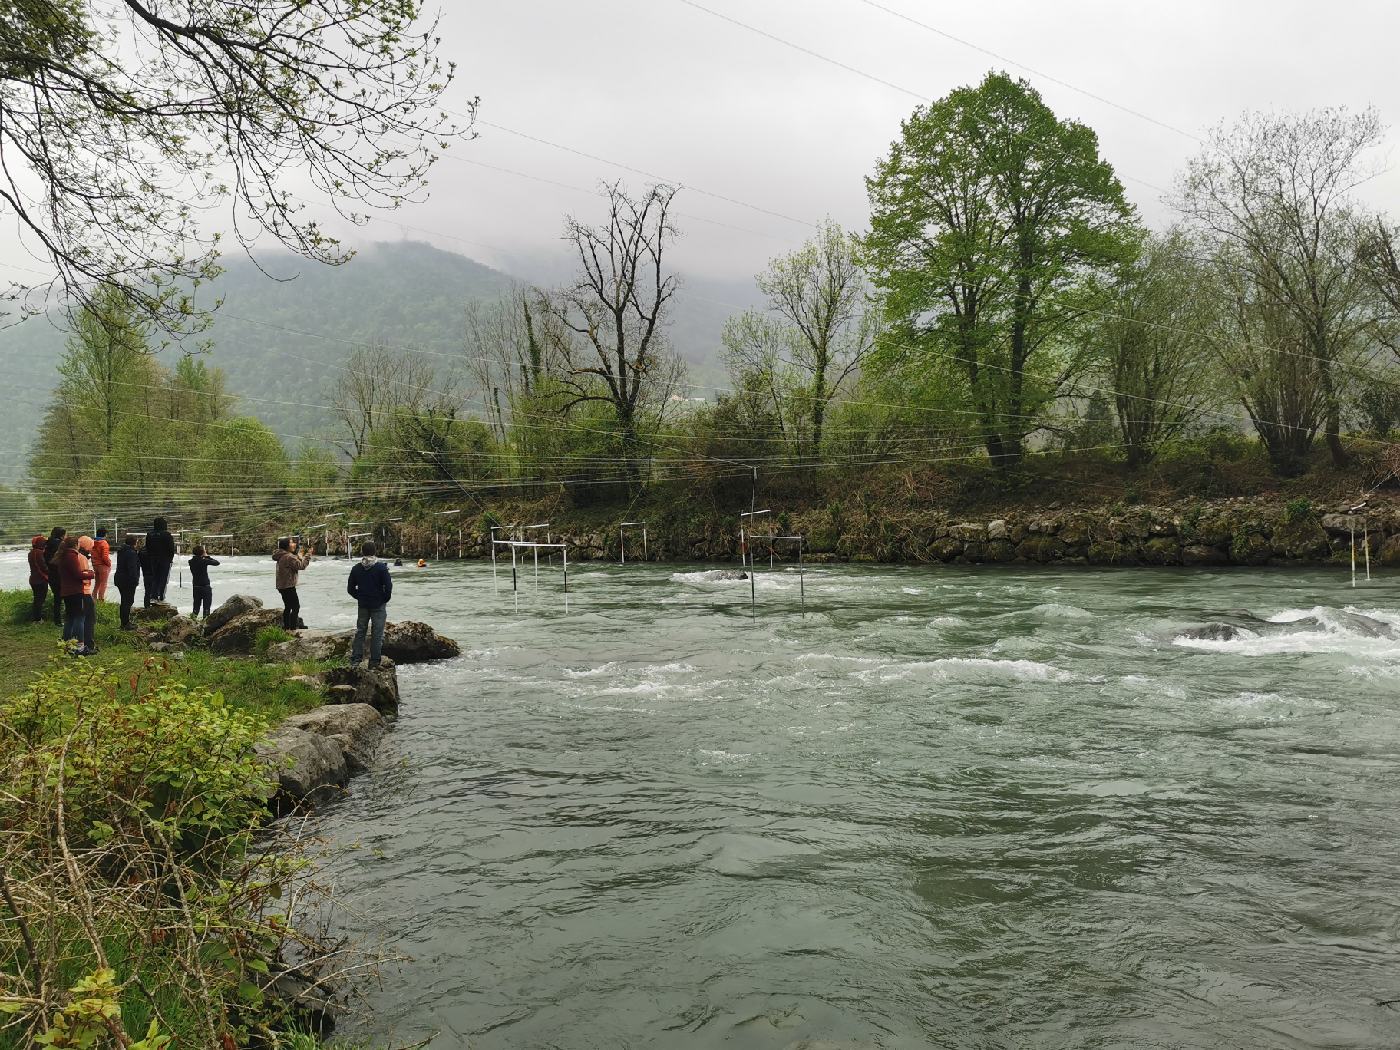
(84, 543)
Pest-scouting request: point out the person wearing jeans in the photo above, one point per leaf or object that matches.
(75, 576)
(371, 586)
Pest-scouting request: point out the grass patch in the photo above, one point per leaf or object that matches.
(27, 649)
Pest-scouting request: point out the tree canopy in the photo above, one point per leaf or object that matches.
(990, 220)
(123, 121)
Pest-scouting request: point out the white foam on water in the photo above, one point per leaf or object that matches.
(1056, 611)
(912, 590)
(968, 668)
(947, 621)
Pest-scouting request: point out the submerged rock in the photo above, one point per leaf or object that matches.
(1214, 632)
(719, 575)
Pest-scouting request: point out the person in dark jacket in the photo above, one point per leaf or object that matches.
(51, 549)
(371, 585)
(75, 576)
(160, 554)
(38, 577)
(127, 576)
(199, 581)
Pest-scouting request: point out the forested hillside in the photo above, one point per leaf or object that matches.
(282, 341)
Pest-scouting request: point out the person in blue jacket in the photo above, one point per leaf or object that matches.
(371, 586)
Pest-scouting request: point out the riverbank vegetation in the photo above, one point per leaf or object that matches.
(1006, 330)
(147, 901)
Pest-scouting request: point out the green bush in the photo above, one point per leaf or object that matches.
(130, 802)
(1296, 510)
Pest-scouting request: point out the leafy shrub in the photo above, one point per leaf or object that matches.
(131, 891)
(1296, 510)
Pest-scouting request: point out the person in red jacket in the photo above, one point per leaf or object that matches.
(75, 577)
(38, 577)
(101, 564)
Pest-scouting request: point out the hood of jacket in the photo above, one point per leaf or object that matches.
(38, 541)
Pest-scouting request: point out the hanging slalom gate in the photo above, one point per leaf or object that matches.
(745, 555)
(801, 563)
(518, 545)
(219, 536)
(1352, 514)
(622, 538)
(437, 532)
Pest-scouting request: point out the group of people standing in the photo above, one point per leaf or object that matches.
(76, 570)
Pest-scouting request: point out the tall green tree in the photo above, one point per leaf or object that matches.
(105, 365)
(818, 329)
(991, 222)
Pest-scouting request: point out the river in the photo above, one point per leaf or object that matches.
(951, 807)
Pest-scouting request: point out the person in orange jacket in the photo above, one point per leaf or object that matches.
(101, 564)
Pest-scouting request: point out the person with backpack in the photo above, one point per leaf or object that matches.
(51, 549)
(38, 577)
(160, 555)
(371, 585)
(101, 563)
(127, 576)
(199, 581)
(289, 566)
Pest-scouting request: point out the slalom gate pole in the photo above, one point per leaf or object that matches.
(1366, 546)
(514, 583)
(1353, 553)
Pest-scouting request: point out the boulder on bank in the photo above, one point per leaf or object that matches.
(154, 611)
(312, 645)
(302, 766)
(237, 636)
(410, 642)
(230, 609)
(355, 728)
(359, 685)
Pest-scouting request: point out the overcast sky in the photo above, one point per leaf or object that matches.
(662, 86)
(668, 88)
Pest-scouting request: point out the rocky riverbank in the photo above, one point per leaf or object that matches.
(310, 756)
(1241, 531)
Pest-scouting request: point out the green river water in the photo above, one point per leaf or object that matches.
(947, 807)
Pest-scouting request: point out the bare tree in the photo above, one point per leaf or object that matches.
(825, 324)
(1273, 196)
(512, 344)
(617, 307)
(1155, 355)
(377, 383)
